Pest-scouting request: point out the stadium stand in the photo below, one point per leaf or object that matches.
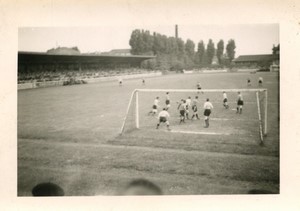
(45, 67)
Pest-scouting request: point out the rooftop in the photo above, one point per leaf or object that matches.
(259, 57)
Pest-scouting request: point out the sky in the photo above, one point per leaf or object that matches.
(249, 38)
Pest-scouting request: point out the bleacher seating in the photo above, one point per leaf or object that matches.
(64, 75)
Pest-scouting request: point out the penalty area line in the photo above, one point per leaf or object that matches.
(198, 133)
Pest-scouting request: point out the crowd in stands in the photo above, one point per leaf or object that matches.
(61, 75)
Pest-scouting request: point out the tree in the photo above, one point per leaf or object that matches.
(210, 51)
(220, 51)
(275, 49)
(134, 42)
(190, 48)
(201, 52)
(230, 50)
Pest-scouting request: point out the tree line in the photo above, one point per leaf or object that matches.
(175, 54)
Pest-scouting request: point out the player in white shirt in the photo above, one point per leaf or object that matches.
(154, 107)
(260, 81)
(225, 100)
(240, 103)
(163, 117)
(207, 111)
(168, 102)
(188, 106)
(195, 108)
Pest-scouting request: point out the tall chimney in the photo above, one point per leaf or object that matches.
(176, 31)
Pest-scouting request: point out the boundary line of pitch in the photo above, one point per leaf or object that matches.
(198, 133)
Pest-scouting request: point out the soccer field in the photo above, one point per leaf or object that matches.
(70, 136)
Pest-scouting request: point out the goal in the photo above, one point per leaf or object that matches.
(252, 121)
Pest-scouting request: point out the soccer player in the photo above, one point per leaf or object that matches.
(154, 107)
(207, 111)
(188, 105)
(225, 100)
(248, 82)
(163, 117)
(195, 108)
(260, 81)
(199, 86)
(168, 105)
(182, 109)
(120, 81)
(240, 103)
(143, 81)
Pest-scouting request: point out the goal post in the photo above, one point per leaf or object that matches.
(138, 107)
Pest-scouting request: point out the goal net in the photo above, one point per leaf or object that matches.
(252, 121)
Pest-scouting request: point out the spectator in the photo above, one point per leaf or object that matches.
(142, 187)
(47, 189)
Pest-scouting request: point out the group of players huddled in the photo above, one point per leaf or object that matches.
(186, 105)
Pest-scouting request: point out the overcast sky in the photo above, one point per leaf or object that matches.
(250, 39)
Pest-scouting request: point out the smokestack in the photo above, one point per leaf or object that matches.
(176, 31)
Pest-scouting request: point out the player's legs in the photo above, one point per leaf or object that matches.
(238, 108)
(168, 125)
(187, 113)
(182, 116)
(161, 119)
(206, 120)
(197, 115)
(206, 117)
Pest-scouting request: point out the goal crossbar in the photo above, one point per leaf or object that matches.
(136, 91)
(200, 90)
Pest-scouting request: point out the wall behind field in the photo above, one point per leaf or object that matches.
(33, 85)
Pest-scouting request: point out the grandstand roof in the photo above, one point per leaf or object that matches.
(41, 57)
(256, 58)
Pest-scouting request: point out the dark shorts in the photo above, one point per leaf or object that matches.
(207, 112)
(225, 100)
(260, 81)
(240, 102)
(162, 119)
(199, 88)
(182, 112)
(195, 109)
(154, 107)
(167, 102)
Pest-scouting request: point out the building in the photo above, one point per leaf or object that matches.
(262, 61)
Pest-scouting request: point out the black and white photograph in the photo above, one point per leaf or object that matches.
(157, 110)
(149, 105)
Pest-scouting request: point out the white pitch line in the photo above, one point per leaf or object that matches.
(227, 119)
(199, 133)
(232, 102)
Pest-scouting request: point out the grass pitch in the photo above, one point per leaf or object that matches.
(69, 136)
